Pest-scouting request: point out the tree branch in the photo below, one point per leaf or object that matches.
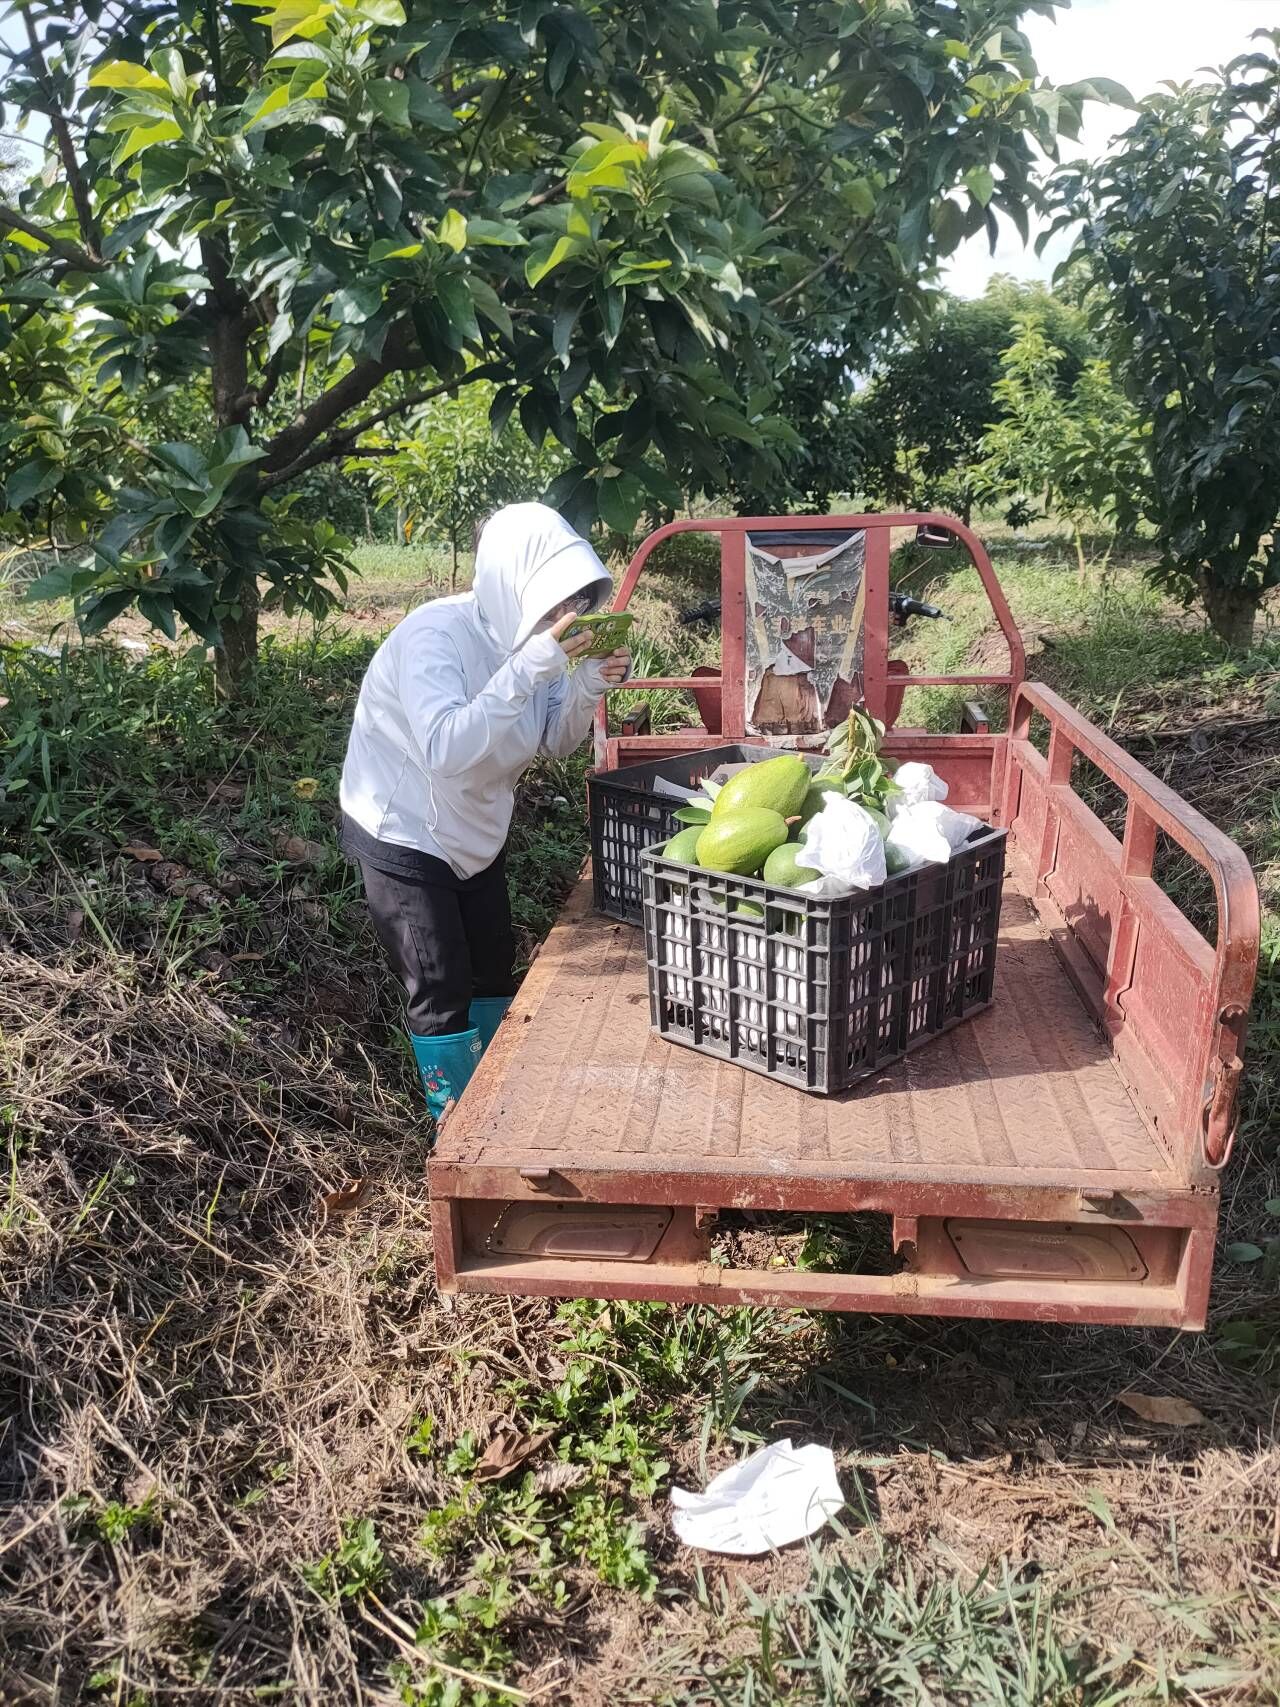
(823, 267)
(286, 449)
(258, 396)
(342, 442)
(551, 195)
(752, 96)
(62, 247)
(810, 183)
(79, 189)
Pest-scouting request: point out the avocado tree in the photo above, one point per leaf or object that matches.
(936, 393)
(1082, 456)
(447, 470)
(1180, 236)
(633, 222)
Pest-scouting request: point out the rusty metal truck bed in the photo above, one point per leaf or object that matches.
(1056, 1157)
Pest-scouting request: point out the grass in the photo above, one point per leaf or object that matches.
(247, 1453)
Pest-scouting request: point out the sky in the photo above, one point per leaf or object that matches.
(1137, 43)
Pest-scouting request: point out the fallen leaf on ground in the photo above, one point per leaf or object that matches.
(558, 1476)
(231, 792)
(507, 1451)
(75, 924)
(299, 851)
(1154, 1409)
(240, 959)
(142, 853)
(351, 1195)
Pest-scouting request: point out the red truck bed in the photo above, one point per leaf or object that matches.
(1056, 1157)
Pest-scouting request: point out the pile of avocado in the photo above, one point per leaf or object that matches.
(751, 827)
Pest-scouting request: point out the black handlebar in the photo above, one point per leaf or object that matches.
(901, 607)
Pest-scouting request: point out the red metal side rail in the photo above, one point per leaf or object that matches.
(1174, 1005)
(732, 681)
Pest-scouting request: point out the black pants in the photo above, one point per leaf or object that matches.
(447, 939)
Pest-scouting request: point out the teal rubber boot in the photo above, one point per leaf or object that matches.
(486, 1015)
(446, 1065)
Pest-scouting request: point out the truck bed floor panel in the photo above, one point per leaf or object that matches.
(1027, 1092)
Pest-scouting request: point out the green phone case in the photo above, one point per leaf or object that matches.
(611, 628)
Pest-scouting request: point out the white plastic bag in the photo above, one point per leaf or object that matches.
(917, 783)
(778, 1495)
(928, 830)
(843, 843)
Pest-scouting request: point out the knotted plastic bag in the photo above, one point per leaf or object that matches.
(928, 830)
(916, 783)
(843, 843)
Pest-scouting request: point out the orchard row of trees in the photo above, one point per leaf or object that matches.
(636, 252)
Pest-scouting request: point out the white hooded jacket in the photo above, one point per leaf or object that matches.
(464, 693)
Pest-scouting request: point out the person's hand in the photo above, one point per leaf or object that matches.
(576, 644)
(616, 667)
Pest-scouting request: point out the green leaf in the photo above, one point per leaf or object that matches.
(295, 18)
(30, 481)
(692, 815)
(453, 231)
(394, 249)
(143, 137)
(57, 584)
(390, 98)
(1242, 1251)
(387, 12)
(546, 255)
(455, 299)
(620, 501)
(613, 304)
(666, 490)
(489, 304)
(274, 99)
(98, 612)
(1272, 1206)
(356, 303)
(566, 318)
(427, 106)
(500, 412)
(183, 459)
(158, 611)
(1096, 1501)
(981, 184)
(495, 233)
(120, 74)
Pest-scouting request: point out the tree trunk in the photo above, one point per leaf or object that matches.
(1231, 612)
(238, 653)
(233, 404)
(453, 570)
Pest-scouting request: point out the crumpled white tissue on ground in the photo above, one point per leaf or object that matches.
(917, 782)
(929, 830)
(843, 843)
(777, 1495)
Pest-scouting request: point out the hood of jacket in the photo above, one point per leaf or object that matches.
(528, 560)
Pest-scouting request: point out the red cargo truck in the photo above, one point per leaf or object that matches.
(1057, 1157)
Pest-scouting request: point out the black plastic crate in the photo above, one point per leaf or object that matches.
(821, 993)
(627, 816)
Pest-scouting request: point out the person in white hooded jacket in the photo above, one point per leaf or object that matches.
(460, 697)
